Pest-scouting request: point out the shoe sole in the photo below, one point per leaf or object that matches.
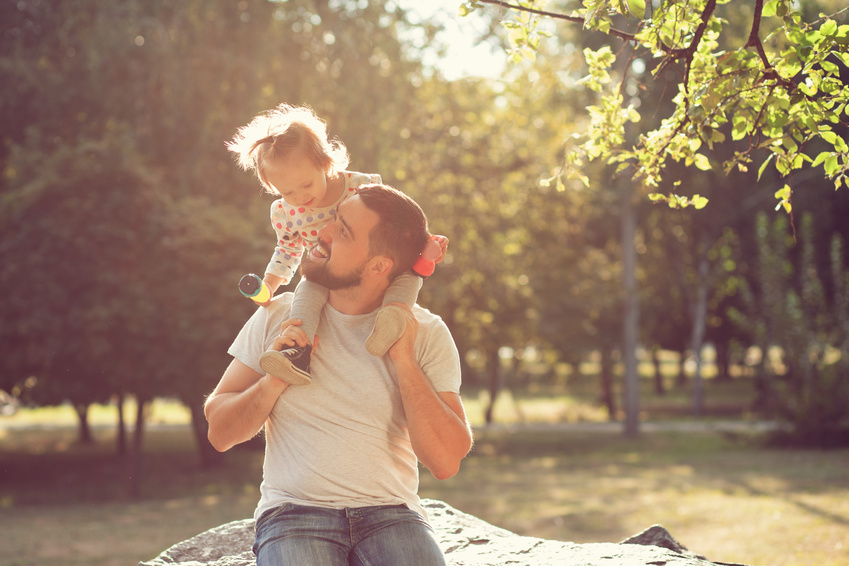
(389, 326)
(276, 364)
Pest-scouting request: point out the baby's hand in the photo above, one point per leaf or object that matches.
(273, 282)
(443, 247)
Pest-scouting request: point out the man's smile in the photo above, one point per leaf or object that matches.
(319, 251)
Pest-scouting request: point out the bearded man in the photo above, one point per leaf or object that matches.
(340, 476)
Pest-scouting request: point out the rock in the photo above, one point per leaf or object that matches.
(465, 540)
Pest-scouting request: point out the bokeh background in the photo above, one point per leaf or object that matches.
(125, 226)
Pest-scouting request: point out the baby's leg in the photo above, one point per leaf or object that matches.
(292, 364)
(307, 303)
(391, 321)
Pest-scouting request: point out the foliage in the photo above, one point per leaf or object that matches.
(807, 313)
(780, 96)
(128, 224)
(122, 212)
(81, 226)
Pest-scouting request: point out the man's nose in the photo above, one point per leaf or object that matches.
(324, 233)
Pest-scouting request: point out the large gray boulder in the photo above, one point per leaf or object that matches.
(465, 540)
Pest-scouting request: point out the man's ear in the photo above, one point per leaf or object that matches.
(380, 265)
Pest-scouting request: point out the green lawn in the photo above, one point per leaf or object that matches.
(726, 497)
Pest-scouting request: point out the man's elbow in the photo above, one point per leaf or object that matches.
(447, 469)
(213, 434)
(218, 443)
(445, 472)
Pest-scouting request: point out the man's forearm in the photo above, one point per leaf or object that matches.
(440, 433)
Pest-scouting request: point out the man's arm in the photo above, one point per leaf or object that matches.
(240, 404)
(439, 431)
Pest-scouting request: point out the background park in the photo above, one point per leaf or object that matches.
(646, 278)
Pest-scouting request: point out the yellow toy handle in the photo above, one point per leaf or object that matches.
(253, 288)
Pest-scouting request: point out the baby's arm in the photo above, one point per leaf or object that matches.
(443, 246)
(287, 253)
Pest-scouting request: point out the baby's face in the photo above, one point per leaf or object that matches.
(298, 179)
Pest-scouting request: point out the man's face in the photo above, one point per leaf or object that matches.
(342, 252)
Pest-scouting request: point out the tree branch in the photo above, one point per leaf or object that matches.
(755, 41)
(558, 16)
(688, 52)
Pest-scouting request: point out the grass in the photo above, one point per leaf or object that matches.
(726, 497)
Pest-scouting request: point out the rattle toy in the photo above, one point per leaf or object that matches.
(253, 288)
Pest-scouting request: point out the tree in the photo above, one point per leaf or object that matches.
(803, 308)
(781, 97)
(114, 124)
(81, 226)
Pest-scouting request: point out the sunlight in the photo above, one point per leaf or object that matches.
(466, 56)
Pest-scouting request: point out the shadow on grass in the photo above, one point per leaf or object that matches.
(716, 493)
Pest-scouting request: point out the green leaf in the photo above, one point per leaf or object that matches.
(769, 8)
(783, 195)
(699, 202)
(831, 165)
(701, 162)
(637, 8)
(820, 158)
(828, 136)
(829, 28)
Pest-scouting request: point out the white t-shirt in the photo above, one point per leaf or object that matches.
(342, 441)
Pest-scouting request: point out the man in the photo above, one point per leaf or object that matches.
(340, 477)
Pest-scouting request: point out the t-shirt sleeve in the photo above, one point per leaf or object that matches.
(259, 331)
(440, 359)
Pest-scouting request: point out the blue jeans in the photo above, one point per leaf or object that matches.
(387, 535)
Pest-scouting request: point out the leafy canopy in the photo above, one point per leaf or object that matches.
(779, 96)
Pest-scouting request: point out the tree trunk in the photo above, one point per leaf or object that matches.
(608, 399)
(681, 380)
(723, 361)
(209, 456)
(630, 318)
(134, 461)
(84, 436)
(496, 382)
(659, 388)
(699, 320)
(122, 427)
(138, 433)
(762, 386)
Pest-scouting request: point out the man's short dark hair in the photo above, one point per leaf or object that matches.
(401, 232)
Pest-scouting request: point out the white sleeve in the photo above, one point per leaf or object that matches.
(439, 358)
(259, 331)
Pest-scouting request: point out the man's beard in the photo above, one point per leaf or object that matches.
(320, 273)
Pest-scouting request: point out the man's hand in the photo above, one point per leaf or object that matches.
(439, 430)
